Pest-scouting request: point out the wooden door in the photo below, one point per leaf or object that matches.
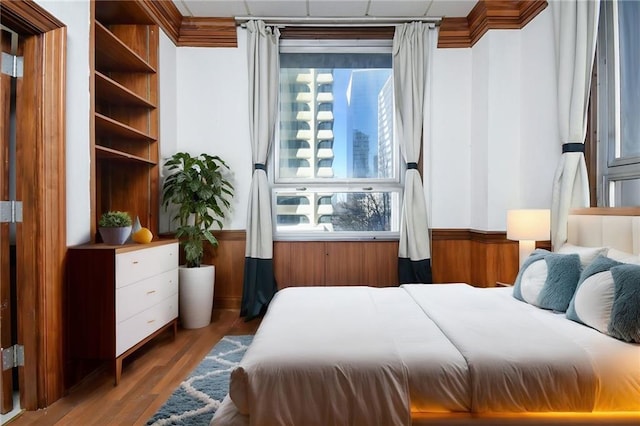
(6, 311)
(40, 185)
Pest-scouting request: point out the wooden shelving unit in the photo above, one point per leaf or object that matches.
(102, 152)
(112, 128)
(125, 146)
(117, 93)
(115, 55)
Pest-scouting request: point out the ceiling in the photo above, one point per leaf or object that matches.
(325, 8)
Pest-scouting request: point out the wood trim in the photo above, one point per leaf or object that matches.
(41, 239)
(454, 32)
(28, 18)
(191, 31)
(226, 302)
(53, 218)
(93, 206)
(450, 234)
(489, 237)
(487, 15)
(166, 15)
(208, 32)
(224, 235)
(6, 283)
(607, 211)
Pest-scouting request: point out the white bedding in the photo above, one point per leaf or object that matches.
(359, 355)
(516, 362)
(341, 356)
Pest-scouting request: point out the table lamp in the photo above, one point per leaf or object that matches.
(527, 227)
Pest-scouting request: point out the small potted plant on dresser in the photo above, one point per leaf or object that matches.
(198, 188)
(114, 227)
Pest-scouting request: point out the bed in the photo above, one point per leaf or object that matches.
(448, 353)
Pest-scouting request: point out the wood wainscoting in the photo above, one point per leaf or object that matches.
(331, 263)
(458, 255)
(468, 256)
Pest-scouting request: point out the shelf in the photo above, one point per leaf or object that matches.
(122, 12)
(113, 55)
(114, 93)
(113, 154)
(125, 110)
(109, 126)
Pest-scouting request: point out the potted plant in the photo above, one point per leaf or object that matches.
(114, 227)
(197, 186)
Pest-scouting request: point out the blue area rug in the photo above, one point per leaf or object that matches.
(199, 396)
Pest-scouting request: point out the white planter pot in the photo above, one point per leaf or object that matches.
(196, 295)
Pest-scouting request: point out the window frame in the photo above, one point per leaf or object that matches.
(281, 185)
(611, 169)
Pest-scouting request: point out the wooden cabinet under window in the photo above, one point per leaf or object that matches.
(125, 169)
(312, 263)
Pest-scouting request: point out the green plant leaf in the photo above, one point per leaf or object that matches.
(199, 187)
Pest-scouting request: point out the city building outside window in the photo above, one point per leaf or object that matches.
(337, 165)
(619, 104)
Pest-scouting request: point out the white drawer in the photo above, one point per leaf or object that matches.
(141, 295)
(136, 265)
(136, 328)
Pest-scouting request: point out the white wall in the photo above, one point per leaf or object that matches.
(75, 15)
(539, 134)
(494, 138)
(493, 124)
(449, 150)
(168, 82)
(495, 128)
(212, 112)
(479, 134)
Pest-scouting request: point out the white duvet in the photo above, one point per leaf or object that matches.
(361, 355)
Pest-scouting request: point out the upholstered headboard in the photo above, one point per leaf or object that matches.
(617, 228)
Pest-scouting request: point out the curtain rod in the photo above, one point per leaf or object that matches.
(318, 21)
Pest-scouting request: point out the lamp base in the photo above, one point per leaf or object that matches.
(525, 248)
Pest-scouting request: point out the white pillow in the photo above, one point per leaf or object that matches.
(587, 254)
(623, 257)
(608, 299)
(594, 301)
(533, 279)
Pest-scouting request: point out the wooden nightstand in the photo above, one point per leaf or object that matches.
(501, 284)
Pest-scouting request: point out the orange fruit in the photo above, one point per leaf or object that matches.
(142, 236)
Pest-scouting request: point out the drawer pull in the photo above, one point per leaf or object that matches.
(151, 321)
(135, 262)
(151, 292)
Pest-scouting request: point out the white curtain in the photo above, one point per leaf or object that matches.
(576, 29)
(413, 45)
(259, 282)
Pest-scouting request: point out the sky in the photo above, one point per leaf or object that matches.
(341, 78)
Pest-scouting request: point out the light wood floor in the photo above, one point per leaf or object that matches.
(149, 377)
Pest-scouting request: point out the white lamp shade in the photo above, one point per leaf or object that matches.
(532, 225)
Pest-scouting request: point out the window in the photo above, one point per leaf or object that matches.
(335, 146)
(619, 104)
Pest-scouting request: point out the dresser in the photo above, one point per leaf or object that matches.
(119, 298)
